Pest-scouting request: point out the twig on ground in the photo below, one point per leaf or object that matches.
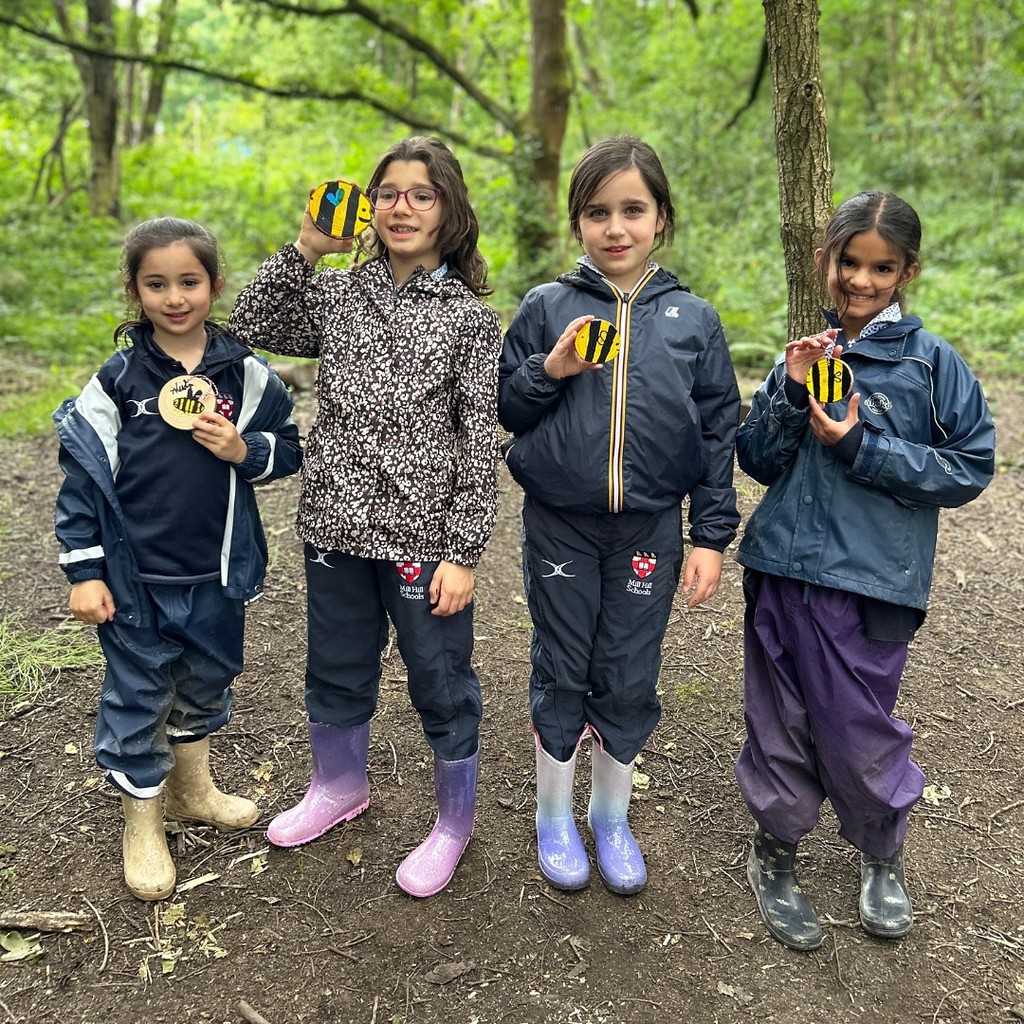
(106, 938)
(247, 1013)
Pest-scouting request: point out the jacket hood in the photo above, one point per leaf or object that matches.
(222, 348)
(589, 279)
(898, 329)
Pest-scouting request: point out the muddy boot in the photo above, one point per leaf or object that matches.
(190, 794)
(339, 789)
(785, 910)
(148, 868)
(430, 867)
(619, 859)
(560, 852)
(884, 899)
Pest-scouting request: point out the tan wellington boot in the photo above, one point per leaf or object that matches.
(191, 795)
(148, 868)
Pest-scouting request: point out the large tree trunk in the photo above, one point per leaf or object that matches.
(537, 161)
(805, 164)
(102, 109)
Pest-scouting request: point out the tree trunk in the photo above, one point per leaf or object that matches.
(805, 164)
(538, 150)
(158, 75)
(102, 111)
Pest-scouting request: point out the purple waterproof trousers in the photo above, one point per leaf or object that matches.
(818, 702)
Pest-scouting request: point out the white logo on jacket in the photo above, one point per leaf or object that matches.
(878, 403)
(672, 311)
(141, 408)
(321, 558)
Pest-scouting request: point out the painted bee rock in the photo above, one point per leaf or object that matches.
(829, 380)
(182, 399)
(597, 341)
(340, 209)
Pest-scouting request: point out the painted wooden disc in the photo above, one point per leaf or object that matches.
(597, 341)
(340, 209)
(829, 380)
(182, 399)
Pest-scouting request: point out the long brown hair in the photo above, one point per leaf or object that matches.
(459, 231)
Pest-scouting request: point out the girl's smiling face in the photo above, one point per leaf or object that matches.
(176, 294)
(618, 226)
(863, 283)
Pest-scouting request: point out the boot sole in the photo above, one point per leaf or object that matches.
(310, 836)
(890, 933)
(753, 877)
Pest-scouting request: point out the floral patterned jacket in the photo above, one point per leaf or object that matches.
(400, 462)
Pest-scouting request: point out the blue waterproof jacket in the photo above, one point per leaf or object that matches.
(870, 527)
(89, 519)
(656, 424)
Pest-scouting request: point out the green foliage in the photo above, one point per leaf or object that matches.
(924, 102)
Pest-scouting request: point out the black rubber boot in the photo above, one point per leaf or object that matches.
(785, 910)
(884, 900)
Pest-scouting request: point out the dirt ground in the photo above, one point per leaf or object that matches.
(322, 933)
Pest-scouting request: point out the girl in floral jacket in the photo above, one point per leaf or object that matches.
(399, 490)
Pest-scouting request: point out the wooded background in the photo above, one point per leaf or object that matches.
(112, 112)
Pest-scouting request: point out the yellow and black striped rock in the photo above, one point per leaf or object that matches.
(597, 341)
(829, 380)
(340, 209)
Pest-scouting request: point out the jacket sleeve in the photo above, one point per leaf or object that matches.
(471, 517)
(280, 309)
(713, 513)
(270, 434)
(525, 391)
(770, 436)
(77, 521)
(959, 463)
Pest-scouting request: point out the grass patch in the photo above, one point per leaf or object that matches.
(31, 661)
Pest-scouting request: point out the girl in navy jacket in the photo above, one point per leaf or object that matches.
(160, 536)
(839, 560)
(606, 453)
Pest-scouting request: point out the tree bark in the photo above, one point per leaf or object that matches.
(805, 164)
(537, 157)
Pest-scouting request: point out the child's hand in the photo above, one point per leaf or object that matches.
(829, 431)
(802, 354)
(91, 602)
(563, 360)
(219, 435)
(451, 588)
(313, 243)
(702, 575)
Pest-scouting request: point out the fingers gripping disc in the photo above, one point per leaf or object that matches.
(597, 341)
(339, 209)
(829, 380)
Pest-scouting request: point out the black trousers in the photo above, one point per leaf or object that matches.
(349, 601)
(600, 591)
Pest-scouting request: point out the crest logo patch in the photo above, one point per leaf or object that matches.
(409, 571)
(644, 563)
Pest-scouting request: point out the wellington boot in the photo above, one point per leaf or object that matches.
(338, 791)
(619, 860)
(561, 855)
(148, 868)
(785, 910)
(885, 908)
(430, 867)
(192, 796)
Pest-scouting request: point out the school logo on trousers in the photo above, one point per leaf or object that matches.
(409, 571)
(644, 563)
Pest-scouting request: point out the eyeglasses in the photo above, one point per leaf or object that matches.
(420, 199)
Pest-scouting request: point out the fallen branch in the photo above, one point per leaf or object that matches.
(45, 921)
